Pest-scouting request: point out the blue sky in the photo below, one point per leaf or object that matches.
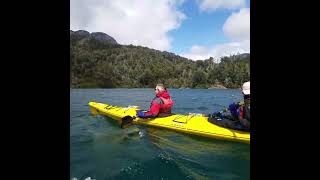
(196, 29)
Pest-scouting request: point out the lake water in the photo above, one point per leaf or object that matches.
(100, 149)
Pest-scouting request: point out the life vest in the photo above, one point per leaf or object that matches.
(165, 107)
(245, 114)
(246, 109)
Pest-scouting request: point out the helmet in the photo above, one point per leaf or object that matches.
(246, 88)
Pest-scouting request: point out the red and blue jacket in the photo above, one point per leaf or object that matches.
(160, 106)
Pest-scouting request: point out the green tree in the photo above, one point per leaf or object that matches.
(103, 76)
(100, 64)
(198, 78)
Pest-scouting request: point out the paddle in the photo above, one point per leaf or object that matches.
(126, 121)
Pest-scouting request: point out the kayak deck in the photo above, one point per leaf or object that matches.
(196, 124)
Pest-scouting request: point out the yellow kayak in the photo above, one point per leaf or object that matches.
(196, 124)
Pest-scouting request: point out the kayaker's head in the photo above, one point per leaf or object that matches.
(159, 88)
(246, 89)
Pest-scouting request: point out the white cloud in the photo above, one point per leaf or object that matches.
(237, 28)
(231, 48)
(197, 53)
(218, 51)
(212, 5)
(137, 22)
(199, 49)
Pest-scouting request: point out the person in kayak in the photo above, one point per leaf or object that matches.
(237, 116)
(161, 104)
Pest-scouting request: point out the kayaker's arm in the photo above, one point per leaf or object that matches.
(153, 112)
(233, 111)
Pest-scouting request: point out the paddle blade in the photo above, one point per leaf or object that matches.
(126, 121)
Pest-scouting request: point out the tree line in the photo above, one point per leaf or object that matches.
(98, 64)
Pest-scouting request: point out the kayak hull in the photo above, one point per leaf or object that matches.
(196, 124)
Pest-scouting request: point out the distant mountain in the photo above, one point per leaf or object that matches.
(80, 33)
(245, 56)
(99, 36)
